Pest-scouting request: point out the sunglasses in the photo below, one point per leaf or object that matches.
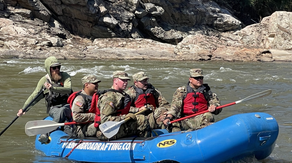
(144, 81)
(56, 67)
(198, 78)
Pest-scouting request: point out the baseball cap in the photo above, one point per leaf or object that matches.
(196, 72)
(55, 64)
(90, 79)
(140, 76)
(121, 75)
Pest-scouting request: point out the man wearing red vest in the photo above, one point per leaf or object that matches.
(81, 105)
(193, 98)
(115, 104)
(144, 94)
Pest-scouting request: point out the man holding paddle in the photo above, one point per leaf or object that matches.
(144, 94)
(56, 88)
(114, 107)
(193, 98)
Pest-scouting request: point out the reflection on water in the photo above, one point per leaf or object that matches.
(231, 82)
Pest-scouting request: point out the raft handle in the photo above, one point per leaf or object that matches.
(264, 139)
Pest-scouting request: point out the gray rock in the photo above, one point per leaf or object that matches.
(148, 29)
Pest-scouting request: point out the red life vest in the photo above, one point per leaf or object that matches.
(72, 97)
(195, 102)
(90, 105)
(145, 97)
(95, 109)
(125, 110)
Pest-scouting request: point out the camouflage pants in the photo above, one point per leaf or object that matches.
(142, 127)
(197, 122)
(156, 118)
(85, 130)
(153, 120)
(130, 128)
(174, 127)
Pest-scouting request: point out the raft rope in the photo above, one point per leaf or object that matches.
(80, 141)
(74, 132)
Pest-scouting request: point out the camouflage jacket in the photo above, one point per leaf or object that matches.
(108, 104)
(79, 112)
(180, 94)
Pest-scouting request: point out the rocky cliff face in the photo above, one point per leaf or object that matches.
(138, 29)
(163, 20)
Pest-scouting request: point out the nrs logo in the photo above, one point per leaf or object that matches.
(166, 143)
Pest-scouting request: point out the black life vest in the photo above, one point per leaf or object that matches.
(90, 105)
(87, 99)
(55, 98)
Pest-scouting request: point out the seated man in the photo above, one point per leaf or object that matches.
(144, 94)
(115, 104)
(193, 98)
(82, 109)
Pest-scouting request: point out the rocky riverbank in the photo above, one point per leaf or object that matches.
(31, 29)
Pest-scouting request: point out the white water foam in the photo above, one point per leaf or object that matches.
(30, 70)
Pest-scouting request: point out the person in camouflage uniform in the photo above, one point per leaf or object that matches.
(193, 98)
(81, 107)
(143, 95)
(115, 104)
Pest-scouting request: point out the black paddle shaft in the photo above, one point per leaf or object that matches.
(41, 92)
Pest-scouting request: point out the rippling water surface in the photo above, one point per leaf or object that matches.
(231, 81)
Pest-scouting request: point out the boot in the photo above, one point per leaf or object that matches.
(44, 138)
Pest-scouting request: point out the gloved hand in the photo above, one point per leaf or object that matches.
(132, 116)
(150, 107)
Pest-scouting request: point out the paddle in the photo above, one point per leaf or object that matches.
(43, 126)
(111, 128)
(32, 101)
(251, 97)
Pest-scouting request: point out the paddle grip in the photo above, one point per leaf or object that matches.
(72, 123)
(142, 111)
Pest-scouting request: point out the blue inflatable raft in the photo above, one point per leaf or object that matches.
(233, 138)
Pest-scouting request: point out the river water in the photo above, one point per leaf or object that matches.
(231, 81)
